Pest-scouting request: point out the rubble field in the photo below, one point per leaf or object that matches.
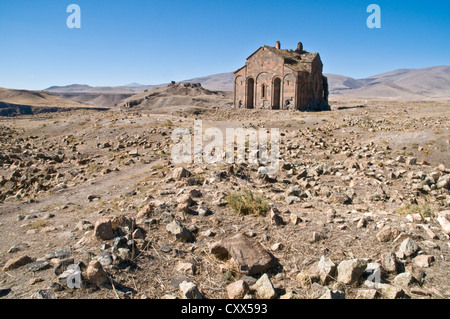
(92, 206)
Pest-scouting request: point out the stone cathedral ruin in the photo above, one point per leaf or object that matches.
(273, 78)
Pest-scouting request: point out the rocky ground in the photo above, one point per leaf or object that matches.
(359, 207)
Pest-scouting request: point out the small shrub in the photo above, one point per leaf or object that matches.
(38, 224)
(423, 210)
(245, 203)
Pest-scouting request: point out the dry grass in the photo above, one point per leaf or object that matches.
(424, 210)
(38, 224)
(245, 203)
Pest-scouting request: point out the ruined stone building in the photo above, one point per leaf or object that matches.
(273, 78)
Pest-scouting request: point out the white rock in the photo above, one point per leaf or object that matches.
(264, 288)
(349, 271)
(190, 291)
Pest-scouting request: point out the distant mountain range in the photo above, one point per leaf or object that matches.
(426, 83)
(422, 84)
(432, 83)
(17, 102)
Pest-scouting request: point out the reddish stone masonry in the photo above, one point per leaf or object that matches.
(273, 78)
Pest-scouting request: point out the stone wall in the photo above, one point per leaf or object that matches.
(266, 82)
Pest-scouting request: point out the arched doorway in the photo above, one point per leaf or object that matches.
(276, 93)
(250, 93)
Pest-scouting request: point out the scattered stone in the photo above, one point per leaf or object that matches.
(275, 219)
(294, 218)
(387, 233)
(45, 294)
(35, 280)
(202, 210)
(390, 263)
(444, 220)
(308, 276)
(4, 292)
(60, 254)
(367, 294)
(134, 152)
(405, 279)
(349, 271)
(123, 223)
(276, 247)
(429, 232)
(18, 262)
(95, 274)
(400, 238)
(190, 291)
(103, 229)
(414, 218)
(443, 182)
(264, 288)
(407, 248)
(332, 294)
(362, 223)
(248, 254)
(327, 269)
(179, 231)
(238, 289)
(391, 292)
(411, 161)
(316, 291)
(48, 216)
(93, 197)
(184, 203)
(166, 249)
(124, 255)
(208, 233)
(430, 244)
(292, 199)
(145, 212)
(416, 272)
(180, 172)
(423, 261)
(166, 192)
(315, 237)
(106, 259)
(38, 265)
(84, 225)
(17, 247)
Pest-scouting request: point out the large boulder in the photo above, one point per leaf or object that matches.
(103, 229)
(250, 257)
(95, 274)
(18, 262)
(349, 271)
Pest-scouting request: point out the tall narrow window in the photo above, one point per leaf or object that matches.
(263, 91)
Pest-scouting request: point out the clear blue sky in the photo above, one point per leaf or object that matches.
(153, 41)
